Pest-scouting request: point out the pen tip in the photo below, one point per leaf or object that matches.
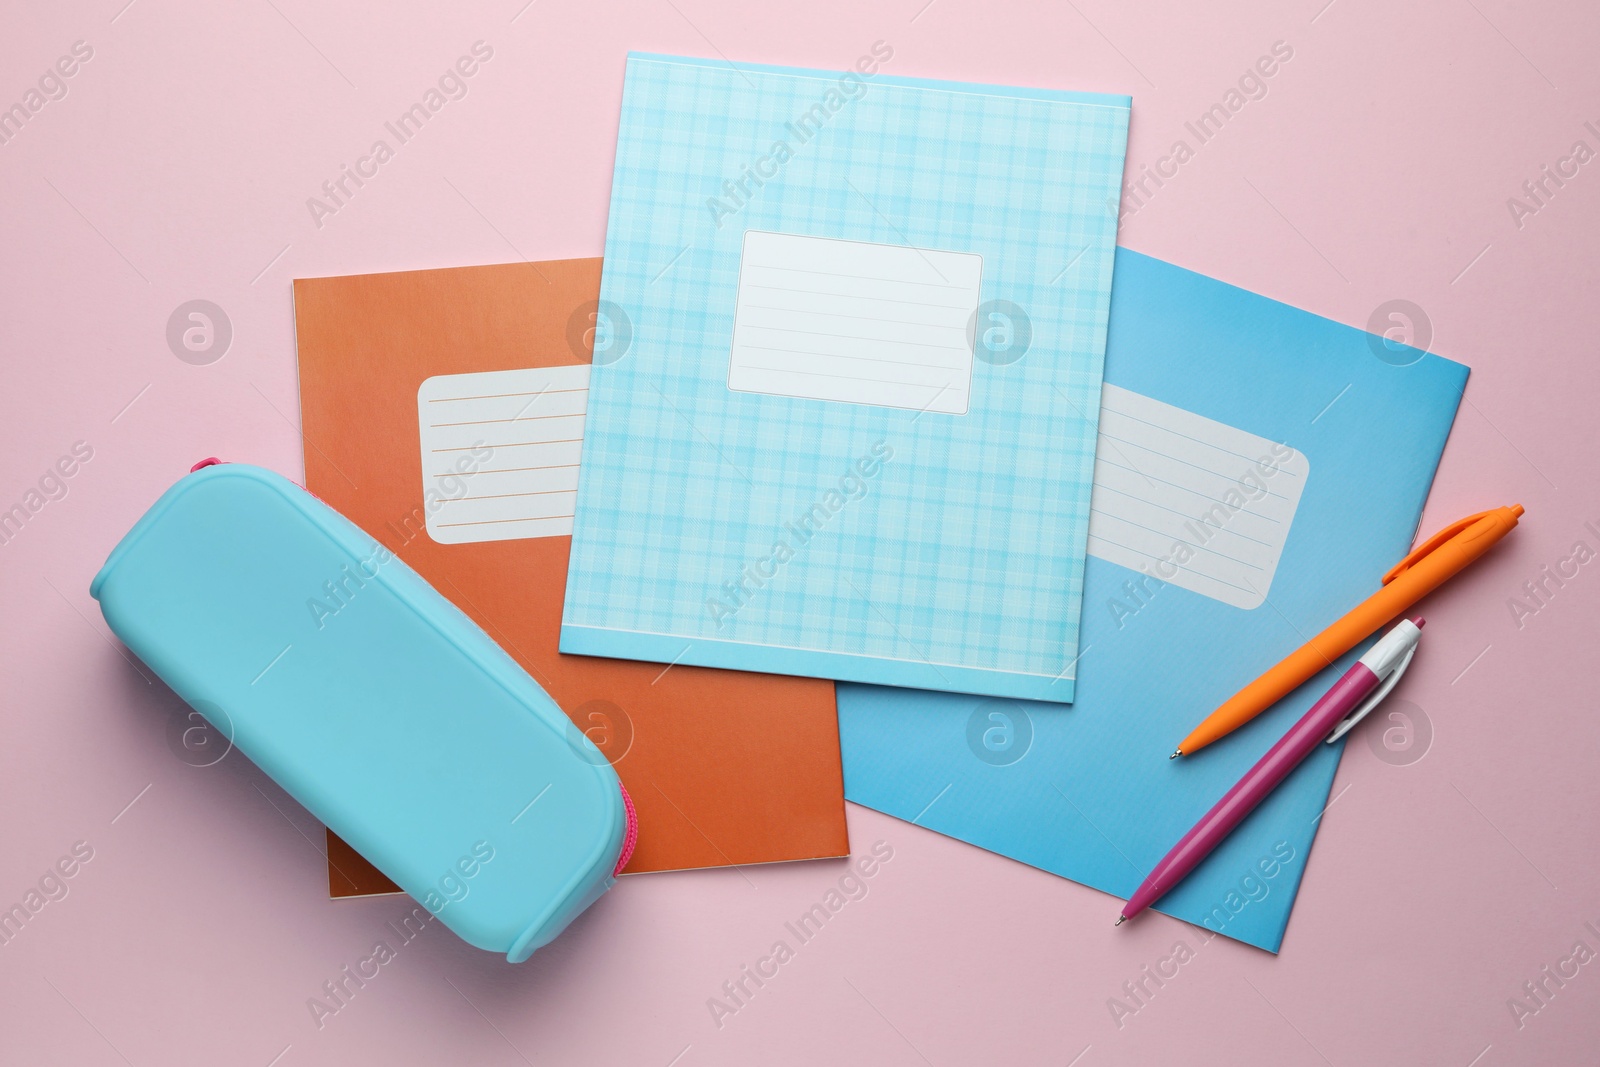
(1120, 920)
(1176, 754)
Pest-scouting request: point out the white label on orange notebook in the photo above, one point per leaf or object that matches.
(824, 319)
(500, 452)
(1189, 500)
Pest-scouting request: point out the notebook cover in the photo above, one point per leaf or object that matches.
(723, 767)
(853, 436)
(1088, 792)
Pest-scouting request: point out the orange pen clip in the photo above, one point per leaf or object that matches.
(1432, 543)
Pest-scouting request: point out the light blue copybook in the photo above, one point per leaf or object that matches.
(1259, 470)
(842, 416)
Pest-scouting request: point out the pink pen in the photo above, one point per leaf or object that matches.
(1355, 694)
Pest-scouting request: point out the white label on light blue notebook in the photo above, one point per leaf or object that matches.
(856, 322)
(500, 452)
(1189, 500)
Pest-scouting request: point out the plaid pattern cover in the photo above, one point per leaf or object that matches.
(846, 540)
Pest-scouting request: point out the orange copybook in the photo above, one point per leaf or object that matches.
(442, 412)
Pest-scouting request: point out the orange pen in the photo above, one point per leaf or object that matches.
(1429, 566)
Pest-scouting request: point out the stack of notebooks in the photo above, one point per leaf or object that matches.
(852, 399)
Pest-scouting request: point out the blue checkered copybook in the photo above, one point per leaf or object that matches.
(846, 386)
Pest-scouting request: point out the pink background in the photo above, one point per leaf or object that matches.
(1377, 167)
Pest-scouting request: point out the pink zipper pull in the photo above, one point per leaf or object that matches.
(631, 836)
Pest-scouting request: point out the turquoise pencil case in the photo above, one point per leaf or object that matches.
(373, 701)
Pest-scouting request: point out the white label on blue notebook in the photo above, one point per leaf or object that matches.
(1189, 500)
(500, 452)
(856, 322)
